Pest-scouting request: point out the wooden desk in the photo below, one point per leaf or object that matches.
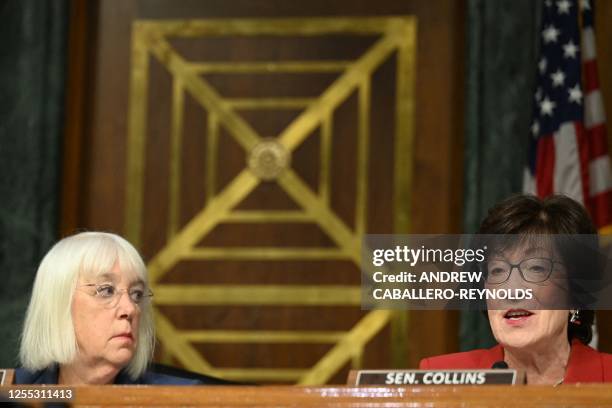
(341, 396)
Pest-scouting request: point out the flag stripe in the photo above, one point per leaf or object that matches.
(600, 209)
(597, 141)
(591, 78)
(566, 174)
(545, 165)
(599, 172)
(588, 44)
(593, 109)
(529, 183)
(582, 138)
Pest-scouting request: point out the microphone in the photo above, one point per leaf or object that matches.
(500, 364)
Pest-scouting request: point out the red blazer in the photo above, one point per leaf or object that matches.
(585, 364)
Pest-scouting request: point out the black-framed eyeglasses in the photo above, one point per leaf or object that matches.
(534, 270)
(108, 295)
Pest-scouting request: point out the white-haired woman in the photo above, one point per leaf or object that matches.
(90, 318)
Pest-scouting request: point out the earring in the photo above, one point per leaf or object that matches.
(575, 317)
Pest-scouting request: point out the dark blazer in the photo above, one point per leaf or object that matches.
(585, 364)
(50, 376)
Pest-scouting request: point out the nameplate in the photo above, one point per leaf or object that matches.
(434, 377)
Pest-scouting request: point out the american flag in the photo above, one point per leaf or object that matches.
(568, 151)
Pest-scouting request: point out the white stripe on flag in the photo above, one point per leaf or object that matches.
(600, 175)
(588, 44)
(529, 185)
(593, 109)
(566, 177)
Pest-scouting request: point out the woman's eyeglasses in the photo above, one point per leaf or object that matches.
(109, 295)
(534, 270)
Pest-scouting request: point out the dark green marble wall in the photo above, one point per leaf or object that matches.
(502, 51)
(33, 34)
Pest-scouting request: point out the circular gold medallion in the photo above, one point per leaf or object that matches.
(268, 159)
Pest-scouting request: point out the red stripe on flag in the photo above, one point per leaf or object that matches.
(598, 141)
(601, 209)
(545, 166)
(582, 141)
(591, 79)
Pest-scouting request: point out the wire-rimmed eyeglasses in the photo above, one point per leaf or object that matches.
(109, 295)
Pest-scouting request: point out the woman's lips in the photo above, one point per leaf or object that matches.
(517, 317)
(124, 336)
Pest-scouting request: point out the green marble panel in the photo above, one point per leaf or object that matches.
(502, 51)
(32, 78)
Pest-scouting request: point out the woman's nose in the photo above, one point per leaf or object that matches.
(125, 305)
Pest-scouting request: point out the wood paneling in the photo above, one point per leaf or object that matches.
(78, 108)
(603, 33)
(436, 194)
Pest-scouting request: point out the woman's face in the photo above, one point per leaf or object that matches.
(527, 323)
(107, 327)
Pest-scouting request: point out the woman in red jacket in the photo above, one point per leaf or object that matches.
(550, 346)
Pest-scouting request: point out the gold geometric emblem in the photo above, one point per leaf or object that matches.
(268, 159)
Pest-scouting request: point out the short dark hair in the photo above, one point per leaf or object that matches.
(528, 214)
(556, 214)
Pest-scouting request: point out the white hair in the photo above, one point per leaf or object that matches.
(48, 335)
